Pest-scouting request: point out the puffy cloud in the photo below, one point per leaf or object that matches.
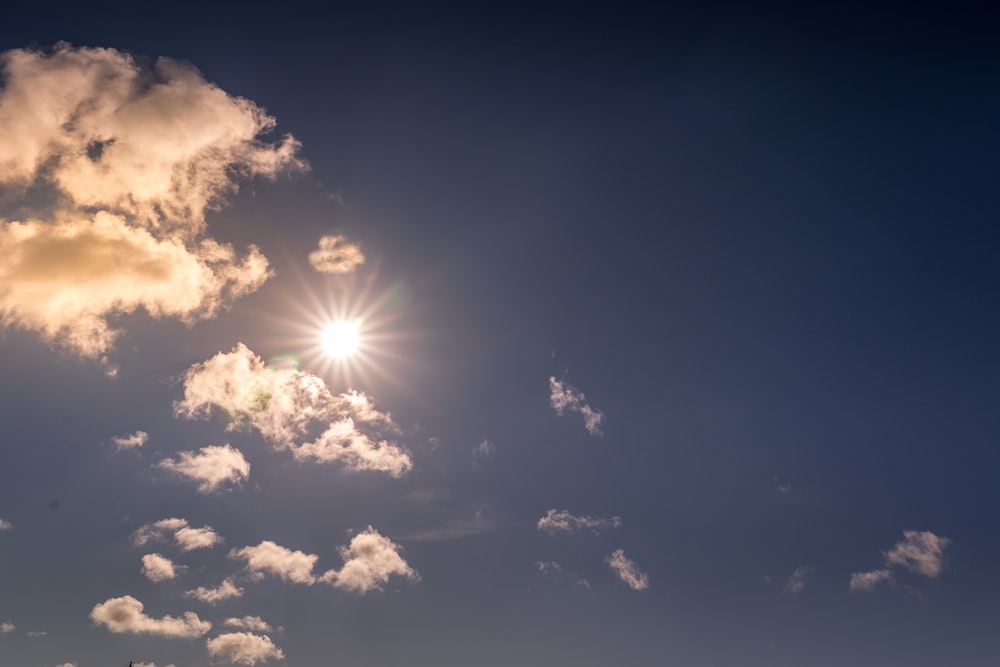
(137, 439)
(6, 627)
(224, 591)
(548, 567)
(131, 158)
(186, 537)
(286, 404)
(369, 561)
(268, 557)
(159, 568)
(336, 255)
(796, 582)
(125, 614)
(866, 582)
(564, 398)
(248, 623)
(212, 466)
(921, 552)
(244, 648)
(5, 525)
(627, 570)
(556, 521)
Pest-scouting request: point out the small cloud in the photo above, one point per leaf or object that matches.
(125, 615)
(5, 525)
(920, 552)
(796, 582)
(369, 561)
(584, 584)
(244, 648)
(561, 521)
(159, 568)
(336, 255)
(137, 439)
(548, 567)
(254, 623)
(224, 591)
(784, 488)
(627, 571)
(270, 558)
(483, 452)
(37, 633)
(186, 537)
(73, 664)
(866, 582)
(564, 398)
(212, 466)
(7, 627)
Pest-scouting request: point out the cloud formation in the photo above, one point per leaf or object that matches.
(565, 398)
(224, 591)
(336, 255)
(796, 582)
(548, 567)
(921, 552)
(248, 623)
(270, 558)
(5, 525)
(211, 467)
(369, 561)
(7, 627)
(186, 537)
(866, 582)
(159, 568)
(131, 158)
(132, 441)
(125, 615)
(286, 404)
(244, 648)
(561, 521)
(627, 570)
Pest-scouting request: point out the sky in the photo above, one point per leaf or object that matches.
(383, 335)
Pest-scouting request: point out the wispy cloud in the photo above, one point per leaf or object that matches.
(255, 623)
(565, 398)
(159, 568)
(369, 560)
(132, 441)
(270, 558)
(5, 525)
(627, 571)
(243, 648)
(336, 255)
(561, 521)
(186, 537)
(284, 404)
(921, 552)
(211, 467)
(796, 582)
(866, 582)
(224, 591)
(125, 615)
(548, 566)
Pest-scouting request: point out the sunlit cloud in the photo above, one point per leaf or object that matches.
(796, 582)
(285, 404)
(270, 558)
(7, 627)
(211, 467)
(866, 582)
(336, 255)
(132, 158)
(125, 615)
(921, 552)
(224, 591)
(254, 623)
(132, 441)
(565, 398)
(5, 525)
(186, 537)
(159, 568)
(243, 648)
(561, 521)
(627, 571)
(369, 561)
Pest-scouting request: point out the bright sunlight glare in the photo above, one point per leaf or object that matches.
(341, 338)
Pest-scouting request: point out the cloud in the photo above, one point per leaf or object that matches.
(268, 557)
(73, 664)
(286, 404)
(564, 398)
(248, 623)
(7, 627)
(548, 567)
(186, 537)
(796, 582)
(556, 521)
(159, 568)
(137, 439)
(921, 552)
(5, 525)
(336, 255)
(369, 561)
(866, 582)
(130, 159)
(224, 591)
(124, 614)
(627, 571)
(244, 648)
(212, 466)
(36, 633)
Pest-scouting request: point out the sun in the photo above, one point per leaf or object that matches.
(341, 338)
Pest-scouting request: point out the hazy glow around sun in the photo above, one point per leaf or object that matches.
(341, 338)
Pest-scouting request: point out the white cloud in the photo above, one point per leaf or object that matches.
(131, 160)
(268, 557)
(137, 439)
(921, 552)
(796, 582)
(369, 561)
(627, 571)
(7, 627)
(548, 567)
(212, 466)
(866, 582)
(564, 398)
(556, 521)
(286, 404)
(336, 255)
(186, 537)
(5, 525)
(159, 568)
(244, 648)
(255, 623)
(224, 591)
(72, 664)
(125, 614)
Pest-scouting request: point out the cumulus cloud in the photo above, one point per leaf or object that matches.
(369, 561)
(270, 558)
(561, 521)
(131, 158)
(866, 582)
(286, 405)
(565, 398)
(159, 568)
(627, 570)
(336, 255)
(921, 552)
(186, 537)
(137, 439)
(224, 591)
(248, 623)
(124, 614)
(796, 582)
(5, 525)
(7, 627)
(211, 467)
(244, 648)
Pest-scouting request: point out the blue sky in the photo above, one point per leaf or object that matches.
(677, 338)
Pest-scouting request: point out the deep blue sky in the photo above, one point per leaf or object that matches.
(763, 245)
